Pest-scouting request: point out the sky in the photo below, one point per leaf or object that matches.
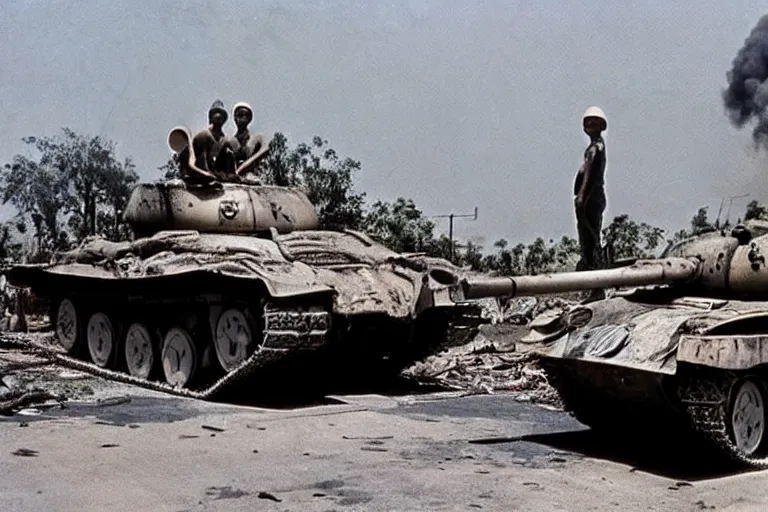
(454, 104)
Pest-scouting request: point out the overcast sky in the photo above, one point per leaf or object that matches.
(453, 104)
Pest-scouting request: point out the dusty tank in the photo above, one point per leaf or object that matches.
(236, 289)
(680, 343)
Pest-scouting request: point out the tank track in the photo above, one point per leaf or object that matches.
(705, 395)
(287, 332)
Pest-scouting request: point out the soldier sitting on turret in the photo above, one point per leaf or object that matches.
(213, 150)
(249, 148)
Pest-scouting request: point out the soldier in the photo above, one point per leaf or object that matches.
(248, 148)
(589, 190)
(211, 148)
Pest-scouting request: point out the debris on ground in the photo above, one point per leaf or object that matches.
(267, 496)
(25, 452)
(483, 367)
(18, 399)
(494, 361)
(520, 310)
(28, 367)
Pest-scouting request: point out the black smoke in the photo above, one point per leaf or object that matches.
(746, 97)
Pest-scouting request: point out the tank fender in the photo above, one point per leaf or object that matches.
(727, 352)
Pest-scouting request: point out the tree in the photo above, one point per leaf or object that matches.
(756, 211)
(171, 169)
(117, 187)
(400, 226)
(537, 257)
(98, 185)
(472, 256)
(71, 188)
(326, 178)
(700, 223)
(39, 194)
(503, 262)
(627, 238)
(440, 247)
(566, 254)
(10, 249)
(281, 165)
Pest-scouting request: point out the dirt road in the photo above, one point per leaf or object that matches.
(152, 452)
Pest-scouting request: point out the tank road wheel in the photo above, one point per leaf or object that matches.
(67, 327)
(102, 341)
(140, 351)
(179, 357)
(747, 417)
(234, 338)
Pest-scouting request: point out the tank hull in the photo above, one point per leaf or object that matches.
(247, 312)
(653, 361)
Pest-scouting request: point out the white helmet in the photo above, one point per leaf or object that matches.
(241, 104)
(595, 112)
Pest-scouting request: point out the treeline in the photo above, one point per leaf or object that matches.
(73, 186)
(66, 188)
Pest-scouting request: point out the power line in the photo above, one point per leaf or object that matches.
(450, 217)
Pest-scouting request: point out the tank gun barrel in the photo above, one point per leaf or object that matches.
(641, 273)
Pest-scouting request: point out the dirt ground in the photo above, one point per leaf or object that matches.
(356, 453)
(495, 441)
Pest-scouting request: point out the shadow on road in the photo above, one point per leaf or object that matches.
(306, 396)
(673, 457)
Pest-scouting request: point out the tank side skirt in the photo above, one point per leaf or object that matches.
(183, 285)
(737, 352)
(584, 384)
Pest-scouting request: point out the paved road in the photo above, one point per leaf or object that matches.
(362, 453)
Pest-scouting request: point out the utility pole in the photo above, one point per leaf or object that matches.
(450, 218)
(719, 211)
(730, 202)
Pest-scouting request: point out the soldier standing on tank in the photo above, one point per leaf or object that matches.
(249, 148)
(589, 190)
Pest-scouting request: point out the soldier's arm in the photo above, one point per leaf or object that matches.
(585, 181)
(251, 162)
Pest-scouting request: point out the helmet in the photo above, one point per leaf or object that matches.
(595, 112)
(218, 106)
(241, 104)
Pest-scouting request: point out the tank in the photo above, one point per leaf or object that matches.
(678, 345)
(234, 291)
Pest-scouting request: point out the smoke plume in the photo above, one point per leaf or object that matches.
(747, 94)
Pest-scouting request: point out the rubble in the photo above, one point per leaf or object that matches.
(484, 367)
(29, 375)
(494, 360)
(521, 310)
(515, 311)
(18, 399)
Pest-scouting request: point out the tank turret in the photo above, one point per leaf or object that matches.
(235, 207)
